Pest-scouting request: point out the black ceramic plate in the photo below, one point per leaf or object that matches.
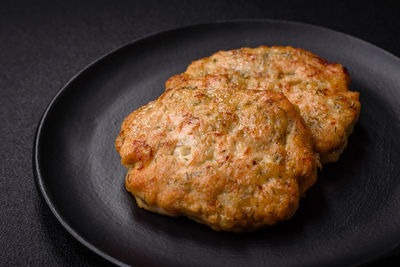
(351, 216)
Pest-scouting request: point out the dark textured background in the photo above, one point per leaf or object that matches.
(44, 43)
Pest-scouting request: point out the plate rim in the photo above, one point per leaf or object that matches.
(38, 177)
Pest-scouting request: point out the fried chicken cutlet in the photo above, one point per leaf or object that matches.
(235, 160)
(317, 87)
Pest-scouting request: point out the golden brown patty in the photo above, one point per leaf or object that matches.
(317, 87)
(235, 160)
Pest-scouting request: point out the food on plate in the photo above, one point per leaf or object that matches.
(236, 140)
(233, 159)
(320, 89)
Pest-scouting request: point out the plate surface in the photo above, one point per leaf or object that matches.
(351, 216)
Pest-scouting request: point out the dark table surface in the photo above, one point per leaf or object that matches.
(44, 43)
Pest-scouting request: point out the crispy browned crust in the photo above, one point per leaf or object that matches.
(317, 87)
(235, 160)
